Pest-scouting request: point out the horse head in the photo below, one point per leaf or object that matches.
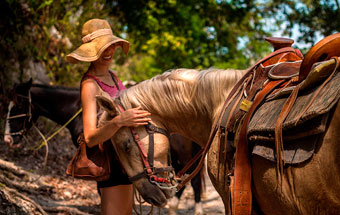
(19, 116)
(144, 154)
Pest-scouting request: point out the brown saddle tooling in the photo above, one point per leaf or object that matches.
(282, 69)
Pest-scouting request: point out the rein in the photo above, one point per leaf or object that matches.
(150, 171)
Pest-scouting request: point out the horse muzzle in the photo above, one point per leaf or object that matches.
(8, 139)
(152, 193)
(12, 143)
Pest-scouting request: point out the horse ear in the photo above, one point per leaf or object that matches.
(108, 105)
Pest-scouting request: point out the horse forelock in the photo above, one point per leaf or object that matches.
(182, 91)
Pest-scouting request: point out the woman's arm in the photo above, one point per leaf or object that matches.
(94, 135)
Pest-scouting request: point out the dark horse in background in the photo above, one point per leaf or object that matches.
(29, 101)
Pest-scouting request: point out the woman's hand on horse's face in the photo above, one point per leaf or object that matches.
(133, 117)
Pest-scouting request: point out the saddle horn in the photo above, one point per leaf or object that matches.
(279, 42)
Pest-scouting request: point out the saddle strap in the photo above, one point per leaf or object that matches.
(242, 195)
(265, 61)
(278, 130)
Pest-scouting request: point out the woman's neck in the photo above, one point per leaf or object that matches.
(99, 70)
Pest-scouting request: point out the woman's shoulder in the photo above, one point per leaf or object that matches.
(89, 85)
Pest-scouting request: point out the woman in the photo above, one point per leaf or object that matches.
(99, 45)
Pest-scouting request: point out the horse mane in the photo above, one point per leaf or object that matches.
(184, 90)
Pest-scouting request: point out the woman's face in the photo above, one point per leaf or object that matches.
(106, 57)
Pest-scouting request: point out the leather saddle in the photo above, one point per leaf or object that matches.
(285, 68)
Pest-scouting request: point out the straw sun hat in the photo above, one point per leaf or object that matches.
(96, 36)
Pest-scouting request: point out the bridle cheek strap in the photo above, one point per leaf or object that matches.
(142, 150)
(148, 159)
(138, 141)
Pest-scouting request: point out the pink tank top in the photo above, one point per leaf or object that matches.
(113, 91)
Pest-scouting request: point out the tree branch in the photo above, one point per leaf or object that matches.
(337, 4)
(21, 200)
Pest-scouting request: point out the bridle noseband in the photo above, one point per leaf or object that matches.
(150, 171)
(28, 116)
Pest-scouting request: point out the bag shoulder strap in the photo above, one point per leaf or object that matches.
(114, 78)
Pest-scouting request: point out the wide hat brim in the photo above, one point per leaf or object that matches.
(91, 51)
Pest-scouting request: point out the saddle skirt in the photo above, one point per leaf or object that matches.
(300, 137)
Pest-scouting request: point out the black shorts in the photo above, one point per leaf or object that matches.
(118, 175)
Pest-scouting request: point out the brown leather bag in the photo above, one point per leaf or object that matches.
(90, 163)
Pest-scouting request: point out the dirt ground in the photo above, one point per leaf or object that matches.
(28, 188)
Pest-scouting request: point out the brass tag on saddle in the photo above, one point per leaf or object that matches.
(245, 105)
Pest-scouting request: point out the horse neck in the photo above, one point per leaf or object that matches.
(59, 105)
(193, 118)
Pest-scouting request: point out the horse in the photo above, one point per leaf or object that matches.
(188, 102)
(29, 101)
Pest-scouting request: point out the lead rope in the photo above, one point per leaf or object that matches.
(58, 130)
(46, 145)
(139, 199)
(45, 140)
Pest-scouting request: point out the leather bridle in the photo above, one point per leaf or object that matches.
(150, 171)
(28, 116)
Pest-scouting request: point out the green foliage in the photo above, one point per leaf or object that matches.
(163, 35)
(138, 68)
(312, 17)
(28, 35)
(189, 33)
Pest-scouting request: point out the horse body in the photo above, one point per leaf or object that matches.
(190, 99)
